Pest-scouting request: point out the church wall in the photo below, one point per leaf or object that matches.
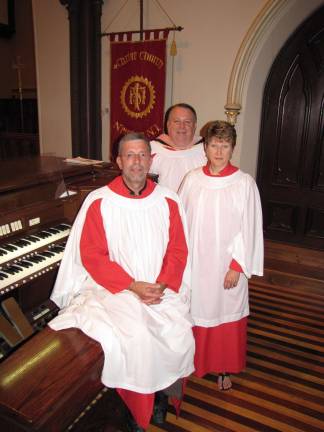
(51, 28)
(207, 47)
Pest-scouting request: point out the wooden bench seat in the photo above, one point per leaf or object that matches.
(47, 382)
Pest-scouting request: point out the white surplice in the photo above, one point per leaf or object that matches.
(172, 165)
(147, 348)
(224, 218)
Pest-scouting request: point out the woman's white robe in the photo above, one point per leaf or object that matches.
(224, 219)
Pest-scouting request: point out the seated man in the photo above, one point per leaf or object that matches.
(179, 150)
(123, 281)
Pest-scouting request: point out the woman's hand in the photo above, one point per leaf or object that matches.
(231, 279)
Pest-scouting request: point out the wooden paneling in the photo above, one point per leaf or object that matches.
(19, 115)
(18, 145)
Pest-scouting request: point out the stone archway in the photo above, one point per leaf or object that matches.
(267, 34)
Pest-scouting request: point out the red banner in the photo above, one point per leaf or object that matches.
(137, 88)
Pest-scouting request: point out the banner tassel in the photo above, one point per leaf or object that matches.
(173, 48)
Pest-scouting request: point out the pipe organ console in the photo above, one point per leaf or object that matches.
(47, 378)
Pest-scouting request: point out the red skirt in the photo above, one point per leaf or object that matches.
(221, 348)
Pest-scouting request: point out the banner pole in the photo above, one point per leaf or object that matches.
(141, 20)
(139, 31)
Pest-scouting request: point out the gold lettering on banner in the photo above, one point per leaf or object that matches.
(119, 127)
(141, 55)
(146, 56)
(122, 61)
(137, 97)
(153, 131)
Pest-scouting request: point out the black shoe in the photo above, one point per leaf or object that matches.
(160, 408)
(131, 425)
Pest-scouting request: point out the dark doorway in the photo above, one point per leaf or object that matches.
(291, 158)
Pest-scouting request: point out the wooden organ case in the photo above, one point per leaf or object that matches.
(48, 380)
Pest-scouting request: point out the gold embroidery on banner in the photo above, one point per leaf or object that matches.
(137, 97)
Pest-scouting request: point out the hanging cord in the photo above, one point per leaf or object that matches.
(116, 15)
(173, 53)
(165, 12)
(173, 48)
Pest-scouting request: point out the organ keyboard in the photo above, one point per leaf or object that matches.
(17, 248)
(36, 212)
(31, 256)
(49, 381)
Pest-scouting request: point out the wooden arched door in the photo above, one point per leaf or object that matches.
(291, 158)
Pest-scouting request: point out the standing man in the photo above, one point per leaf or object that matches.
(123, 281)
(179, 150)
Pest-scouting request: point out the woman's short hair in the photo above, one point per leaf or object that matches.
(222, 130)
(133, 136)
(178, 105)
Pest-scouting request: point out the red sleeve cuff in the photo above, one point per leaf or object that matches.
(236, 266)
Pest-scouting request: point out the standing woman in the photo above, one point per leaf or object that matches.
(224, 215)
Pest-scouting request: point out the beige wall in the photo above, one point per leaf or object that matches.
(51, 28)
(207, 48)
